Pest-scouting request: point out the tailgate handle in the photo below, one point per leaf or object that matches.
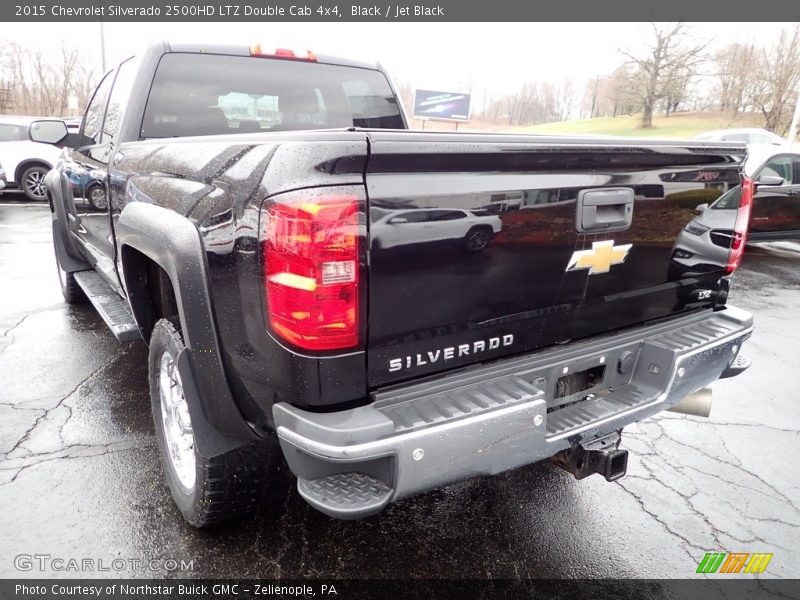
(604, 209)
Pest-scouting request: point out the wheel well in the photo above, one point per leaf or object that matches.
(150, 290)
(26, 164)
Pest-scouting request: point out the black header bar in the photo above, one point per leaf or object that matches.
(402, 11)
(698, 587)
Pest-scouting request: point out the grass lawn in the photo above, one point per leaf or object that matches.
(680, 125)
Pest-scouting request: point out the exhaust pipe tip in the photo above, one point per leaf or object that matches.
(697, 404)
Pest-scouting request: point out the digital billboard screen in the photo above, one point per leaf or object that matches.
(447, 106)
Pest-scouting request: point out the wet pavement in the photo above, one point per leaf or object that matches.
(80, 477)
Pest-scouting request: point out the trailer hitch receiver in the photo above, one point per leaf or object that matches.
(602, 455)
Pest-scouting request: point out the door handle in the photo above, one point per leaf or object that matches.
(604, 210)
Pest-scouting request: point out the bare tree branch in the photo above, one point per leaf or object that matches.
(671, 62)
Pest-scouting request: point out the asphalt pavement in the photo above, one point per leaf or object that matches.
(80, 477)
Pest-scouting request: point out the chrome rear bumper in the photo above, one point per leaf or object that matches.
(496, 417)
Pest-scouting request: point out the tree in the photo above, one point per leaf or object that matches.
(591, 97)
(41, 84)
(612, 95)
(736, 70)
(777, 85)
(676, 89)
(532, 103)
(670, 60)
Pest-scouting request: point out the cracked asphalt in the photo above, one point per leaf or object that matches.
(80, 477)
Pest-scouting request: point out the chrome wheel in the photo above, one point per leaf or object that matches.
(175, 419)
(34, 184)
(97, 197)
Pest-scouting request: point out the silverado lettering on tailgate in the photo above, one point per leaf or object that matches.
(449, 353)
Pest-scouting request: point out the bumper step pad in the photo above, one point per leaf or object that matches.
(346, 495)
(740, 364)
(113, 309)
(595, 408)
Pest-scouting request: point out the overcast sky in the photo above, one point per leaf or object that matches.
(496, 57)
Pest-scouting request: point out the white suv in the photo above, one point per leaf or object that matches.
(26, 162)
(748, 135)
(393, 228)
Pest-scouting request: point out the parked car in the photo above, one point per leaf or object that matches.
(776, 205)
(26, 162)
(703, 245)
(276, 335)
(91, 186)
(752, 135)
(2, 179)
(394, 228)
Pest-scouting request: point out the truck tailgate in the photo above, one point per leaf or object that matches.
(483, 246)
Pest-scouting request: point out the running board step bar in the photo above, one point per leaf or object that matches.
(113, 309)
(346, 495)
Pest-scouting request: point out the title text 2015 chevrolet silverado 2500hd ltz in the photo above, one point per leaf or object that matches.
(387, 311)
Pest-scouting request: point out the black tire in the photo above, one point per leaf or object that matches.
(32, 183)
(477, 239)
(228, 486)
(72, 292)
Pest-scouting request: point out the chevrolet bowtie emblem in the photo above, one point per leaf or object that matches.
(600, 258)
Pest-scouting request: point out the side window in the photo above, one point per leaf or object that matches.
(447, 215)
(93, 119)
(729, 199)
(117, 101)
(795, 171)
(780, 166)
(416, 216)
(12, 133)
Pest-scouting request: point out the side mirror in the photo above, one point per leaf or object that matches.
(50, 131)
(396, 220)
(769, 180)
(701, 208)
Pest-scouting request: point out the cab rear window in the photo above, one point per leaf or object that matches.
(208, 94)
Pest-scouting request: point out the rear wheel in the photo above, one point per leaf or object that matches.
(97, 197)
(477, 239)
(206, 490)
(32, 183)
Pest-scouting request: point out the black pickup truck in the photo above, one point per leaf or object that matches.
(386, 311)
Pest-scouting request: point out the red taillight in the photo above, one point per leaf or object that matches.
(311, 268)
(742, 222)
